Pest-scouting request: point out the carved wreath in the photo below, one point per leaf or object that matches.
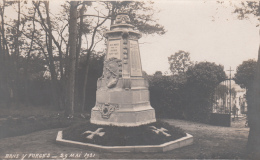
(122, 19)
(112, 71)
(107, 109)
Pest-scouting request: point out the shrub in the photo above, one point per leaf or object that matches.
(166, 95)
(188, 95)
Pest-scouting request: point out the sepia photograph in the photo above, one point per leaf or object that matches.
(140, 79)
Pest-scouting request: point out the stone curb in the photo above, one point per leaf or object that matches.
(184, 141)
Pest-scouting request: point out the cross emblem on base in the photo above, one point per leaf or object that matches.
(162, 130)
(92, 134)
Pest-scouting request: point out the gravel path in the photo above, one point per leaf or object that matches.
(209, 142)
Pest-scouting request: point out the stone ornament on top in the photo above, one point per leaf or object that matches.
(123, 18)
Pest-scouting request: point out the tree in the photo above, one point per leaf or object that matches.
(158, 74)
(202, 79)
(141, 14)
(10, 43)
(167, 95)
(30, 49)
(253, 145)
(245, 74)
(95, 70)
(206, 75)
(72, 57)
(46, 24)
(5, 85)
(17, 47)
(179, 62)
(45, 35)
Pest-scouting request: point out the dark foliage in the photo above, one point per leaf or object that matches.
(202, 79)
(33, 89)
(95, 71)
(247, 77)
(123, 136)
(28, 85)
(38, 92)
(25, 125)
(188, 95)
(179, 62)
(245, 73)
(166, 95)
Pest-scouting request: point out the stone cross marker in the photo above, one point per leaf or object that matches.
(122, 96)
(162, 130)
(92, 134)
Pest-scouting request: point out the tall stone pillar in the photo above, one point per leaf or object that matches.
(122, 96)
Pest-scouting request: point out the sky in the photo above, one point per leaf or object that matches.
(207, 30)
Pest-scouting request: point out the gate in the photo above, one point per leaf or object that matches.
(222, 98)
(221, 109)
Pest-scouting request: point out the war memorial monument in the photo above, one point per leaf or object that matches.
(122, 101)
(122, 94)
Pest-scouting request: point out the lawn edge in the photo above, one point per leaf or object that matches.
(181, 142)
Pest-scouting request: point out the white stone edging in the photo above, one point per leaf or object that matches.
(184, 141)
(122, 124)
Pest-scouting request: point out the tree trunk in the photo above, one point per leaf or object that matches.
(16, 57)
(54, 82)
(88, 59)
(81, 12)
(72, 57)
(27, 62)
(77, 88)
(253, 144)
(85, 82)
(6, 80)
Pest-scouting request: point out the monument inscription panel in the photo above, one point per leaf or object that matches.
(113, 49)
(136, 69)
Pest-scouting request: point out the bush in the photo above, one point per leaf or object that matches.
(188, 95)
(166, 95)
(202, 79)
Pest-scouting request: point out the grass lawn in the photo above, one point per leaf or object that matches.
(22, 110)
(209, 142)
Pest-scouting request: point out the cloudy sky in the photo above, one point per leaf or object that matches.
(208, 30)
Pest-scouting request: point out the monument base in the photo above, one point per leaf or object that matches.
(128, 104)
(125, 118)
(154, 137)
(168, 146)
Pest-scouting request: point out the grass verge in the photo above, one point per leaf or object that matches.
(20, 126)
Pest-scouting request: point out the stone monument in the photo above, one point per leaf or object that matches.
(122, 96)
(122, 103)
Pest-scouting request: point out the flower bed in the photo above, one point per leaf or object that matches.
(124, 136)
